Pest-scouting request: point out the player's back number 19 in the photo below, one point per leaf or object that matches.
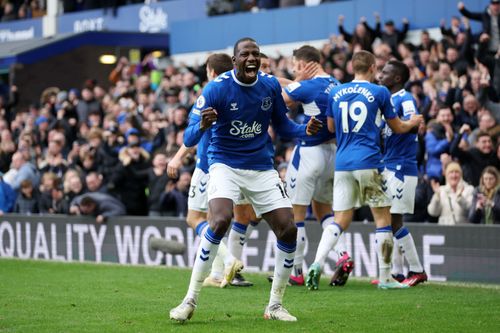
(357, 111)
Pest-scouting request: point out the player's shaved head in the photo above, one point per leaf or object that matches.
(307, 53)
(362, 61)
(220, 63)
(401, 70)
(241, 40)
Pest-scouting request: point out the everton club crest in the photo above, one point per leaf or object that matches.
(266, 103)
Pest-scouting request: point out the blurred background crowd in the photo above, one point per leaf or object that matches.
(22, 9)
(116, 137)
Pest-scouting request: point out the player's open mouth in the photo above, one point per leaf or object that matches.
(251, 70)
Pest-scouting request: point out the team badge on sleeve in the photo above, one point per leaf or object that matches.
(267, 102)
(408, 108)
(200, 102)
(292, 86)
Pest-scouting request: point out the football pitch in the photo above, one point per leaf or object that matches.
(38, 296)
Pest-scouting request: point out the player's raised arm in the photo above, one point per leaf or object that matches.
(176, 162)
(281, 123)
(201, 118)
(193, 134)
(395, 123)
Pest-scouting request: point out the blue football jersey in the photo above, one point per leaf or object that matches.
(401, 149)
(357, 108)
(239, 137)
(313, 94)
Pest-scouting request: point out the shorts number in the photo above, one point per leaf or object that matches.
(350, 111)
(283, 191)
(192, 192)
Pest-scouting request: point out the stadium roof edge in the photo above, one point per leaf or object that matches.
(34, 50)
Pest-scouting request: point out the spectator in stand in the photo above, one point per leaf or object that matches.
(42, 130)
(490, 19)
(485, 206)
(94, 183)
(361, 37)
(7, 149)
(122, 71)
(437, 141)
(25, 171)
(175, 197)
(451, 202)
(7, 197)
(107, 153)
(54, 200)
(130, 179)
(100, 205)
(47, 182)
(9, 13)
(158, 179)
(422, 101)
(54, 160)
(487, 124)
(87, 105)
(454, 28)
(467, 114)
(393, 36)
(75, 187)
(473, 160)
(28, 200)
(428, 44)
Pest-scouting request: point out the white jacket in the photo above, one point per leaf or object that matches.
(450, 208)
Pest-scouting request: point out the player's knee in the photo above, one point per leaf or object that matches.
(220, 223)
(288, 233)
(396, 222)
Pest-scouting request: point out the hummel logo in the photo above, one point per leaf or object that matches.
(288, 263)
(204, 254)
(234, 107)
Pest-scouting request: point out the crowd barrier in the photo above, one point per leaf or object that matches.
(448, 253)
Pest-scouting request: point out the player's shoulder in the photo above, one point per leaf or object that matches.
(322, 81)
(221, 80)
(268, 78)
(380, 89)
(404, 100)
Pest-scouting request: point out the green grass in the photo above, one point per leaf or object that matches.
(37, 296)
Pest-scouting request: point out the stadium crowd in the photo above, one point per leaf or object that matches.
(118, 140)
(25, 9)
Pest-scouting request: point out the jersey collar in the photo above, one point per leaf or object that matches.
(244, 84)
(398, 92)
(360, 81)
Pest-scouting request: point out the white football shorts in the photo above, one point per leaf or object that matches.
(197, 199)
(402, 192)
(310, 174)
(263, 189)
(352, 189)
